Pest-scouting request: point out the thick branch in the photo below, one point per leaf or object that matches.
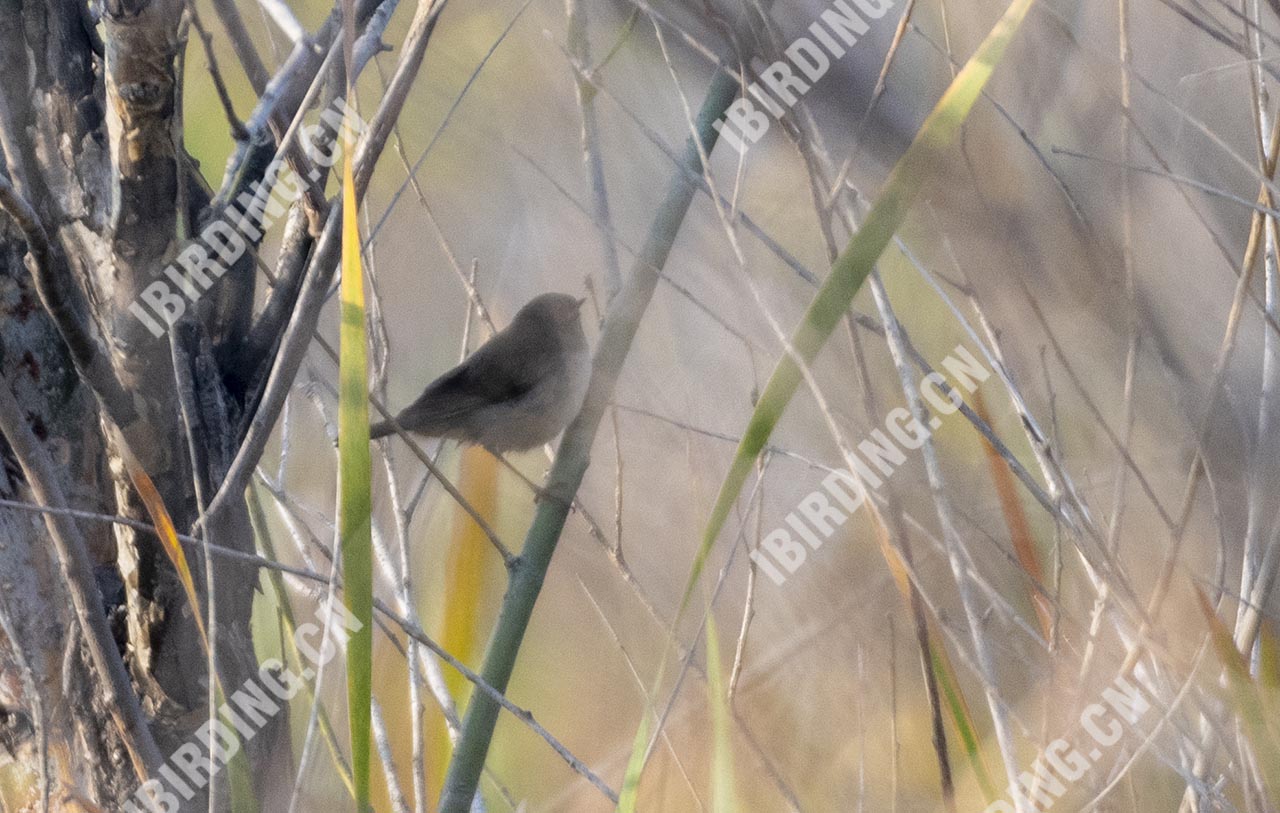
(141, 45)
(295, 250)
(77, 570)
(60, 293)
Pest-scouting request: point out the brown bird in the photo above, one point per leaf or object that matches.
(518, 391)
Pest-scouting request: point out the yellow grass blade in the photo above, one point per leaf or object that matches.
(168, 535)
(354, 461)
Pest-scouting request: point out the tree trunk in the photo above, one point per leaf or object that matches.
(90, 142)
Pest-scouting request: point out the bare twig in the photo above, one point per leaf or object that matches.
(238, 131)
(448, 117)
(242, 43)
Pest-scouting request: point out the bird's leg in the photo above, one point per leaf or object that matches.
(539, 493)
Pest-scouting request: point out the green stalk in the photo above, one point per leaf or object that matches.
(829, 307)
(854, 264)
(355, 532)
(573, 456)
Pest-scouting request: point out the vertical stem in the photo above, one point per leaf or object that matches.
(573, 456)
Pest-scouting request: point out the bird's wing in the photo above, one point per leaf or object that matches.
(498, 372)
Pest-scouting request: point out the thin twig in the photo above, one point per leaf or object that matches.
(242, 44)
(238, 131)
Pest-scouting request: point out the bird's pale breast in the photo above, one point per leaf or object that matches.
(541, 413)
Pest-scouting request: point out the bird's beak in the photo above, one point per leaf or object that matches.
(581, 301)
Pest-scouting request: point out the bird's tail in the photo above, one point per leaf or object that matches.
(381, 429)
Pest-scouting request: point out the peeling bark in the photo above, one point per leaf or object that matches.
(88, 139)
(95, 169)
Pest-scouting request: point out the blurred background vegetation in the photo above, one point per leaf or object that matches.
(1045, 207)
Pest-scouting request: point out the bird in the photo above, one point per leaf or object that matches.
(519, 390)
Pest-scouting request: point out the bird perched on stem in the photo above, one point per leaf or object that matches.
(518, 391)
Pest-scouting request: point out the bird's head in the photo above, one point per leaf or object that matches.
(557, 313)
